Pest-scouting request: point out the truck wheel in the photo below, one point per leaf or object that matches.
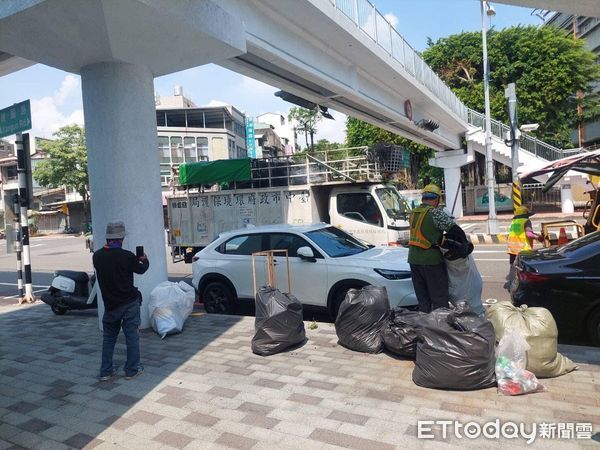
(217, 298)
(58, 310)
(593, 326)
(340, 295)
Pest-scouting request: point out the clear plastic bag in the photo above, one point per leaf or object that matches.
(511, 361)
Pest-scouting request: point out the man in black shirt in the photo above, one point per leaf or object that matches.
(114, 269)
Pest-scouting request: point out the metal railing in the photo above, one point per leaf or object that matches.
(374, 24)
(367, 18)
(528, 143)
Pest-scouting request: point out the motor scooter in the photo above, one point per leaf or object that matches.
(71, 290)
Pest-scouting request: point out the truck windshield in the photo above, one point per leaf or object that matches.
(395, 206)
(336, 243)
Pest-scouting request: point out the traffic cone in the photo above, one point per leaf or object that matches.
(562, 236)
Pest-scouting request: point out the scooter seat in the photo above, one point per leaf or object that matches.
(78, 277)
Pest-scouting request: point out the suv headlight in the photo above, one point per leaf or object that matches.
(393, 274)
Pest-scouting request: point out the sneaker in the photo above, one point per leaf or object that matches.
(108, 377)
(137, 374)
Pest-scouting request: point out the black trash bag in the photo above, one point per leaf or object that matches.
(361, 318)
(400, 334)
(455, 350)
(456, 243)
(278, 324)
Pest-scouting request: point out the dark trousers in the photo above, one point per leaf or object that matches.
(126, 317)
(431, 286)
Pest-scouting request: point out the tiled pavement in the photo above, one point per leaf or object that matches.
(205, 389)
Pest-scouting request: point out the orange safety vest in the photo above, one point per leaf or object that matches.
(517, 237)
(417, 217)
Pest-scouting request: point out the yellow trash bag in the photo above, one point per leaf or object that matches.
(539, 329)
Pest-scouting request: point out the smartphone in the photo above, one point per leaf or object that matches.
(139, 251)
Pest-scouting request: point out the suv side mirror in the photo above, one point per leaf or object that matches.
(306, 253)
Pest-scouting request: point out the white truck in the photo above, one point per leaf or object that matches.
(342, 191)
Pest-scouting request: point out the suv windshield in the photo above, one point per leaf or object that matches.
(395, 206)
(336, 242)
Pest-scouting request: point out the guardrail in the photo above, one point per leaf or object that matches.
(528, 143)
(366, 17)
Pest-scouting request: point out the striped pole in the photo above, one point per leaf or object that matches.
(18, 248)
(24, 203)
(517, 196)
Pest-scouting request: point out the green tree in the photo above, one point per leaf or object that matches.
(307, 119)
(324, 144)
(359, 133)
(66, 164)
(548, 66)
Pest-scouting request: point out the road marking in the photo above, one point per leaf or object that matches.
(467, 226)
(33, 285)
(489, 251)
(491, 259)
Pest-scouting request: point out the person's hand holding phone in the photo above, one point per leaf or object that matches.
(139, 252)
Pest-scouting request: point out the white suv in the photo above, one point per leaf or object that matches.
(324, 263)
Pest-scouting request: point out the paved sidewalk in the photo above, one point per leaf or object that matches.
(205, 389)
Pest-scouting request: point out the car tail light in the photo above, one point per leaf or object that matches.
(394, 244)
(531, 277)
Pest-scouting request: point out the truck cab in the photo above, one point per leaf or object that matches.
(375, 213)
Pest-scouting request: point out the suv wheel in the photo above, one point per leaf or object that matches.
(218, 298)
(593, 326)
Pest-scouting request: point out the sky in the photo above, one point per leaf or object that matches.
(56, 95)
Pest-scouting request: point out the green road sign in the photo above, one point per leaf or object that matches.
(15, 119)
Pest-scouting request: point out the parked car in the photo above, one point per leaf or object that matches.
(566, 281)
(324, 263)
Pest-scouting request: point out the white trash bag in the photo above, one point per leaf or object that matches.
(170, 304)
(465, 283)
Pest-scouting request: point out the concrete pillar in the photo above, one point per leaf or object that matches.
(453, 191)
(123, 162)
(566, 199)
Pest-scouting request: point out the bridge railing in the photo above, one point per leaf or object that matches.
(364, 14)
(528, 143)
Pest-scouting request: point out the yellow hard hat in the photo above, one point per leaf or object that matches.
(432, 189)
(522, 210)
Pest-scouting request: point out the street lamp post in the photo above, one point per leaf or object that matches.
(492, 223)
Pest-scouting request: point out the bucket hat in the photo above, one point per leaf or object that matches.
(115, 230)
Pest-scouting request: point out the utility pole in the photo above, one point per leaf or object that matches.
(492, 224)
(24, 205)
(511, 94)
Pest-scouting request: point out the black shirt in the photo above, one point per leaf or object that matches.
(115, 268)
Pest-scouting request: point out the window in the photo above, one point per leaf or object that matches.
(176, 118)
(336, 243)
(242, 245)
(163, 150)
(289, 242)
(189, 149)
(11, 173)
(395, 206)
(176, 149)
(360, 207)
(195, 119)
(231, 148)
(202, 144)
(160, 119)
(218, 148)
(241, 152)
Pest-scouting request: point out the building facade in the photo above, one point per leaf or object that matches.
(191, 134)
(588, 29)
(284, 128)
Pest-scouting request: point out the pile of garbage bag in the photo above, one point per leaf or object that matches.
(169, 306)
(455, 350)
(511, 360)
(539, 330)
(279, 322)
(400, 334)
(361, 318)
